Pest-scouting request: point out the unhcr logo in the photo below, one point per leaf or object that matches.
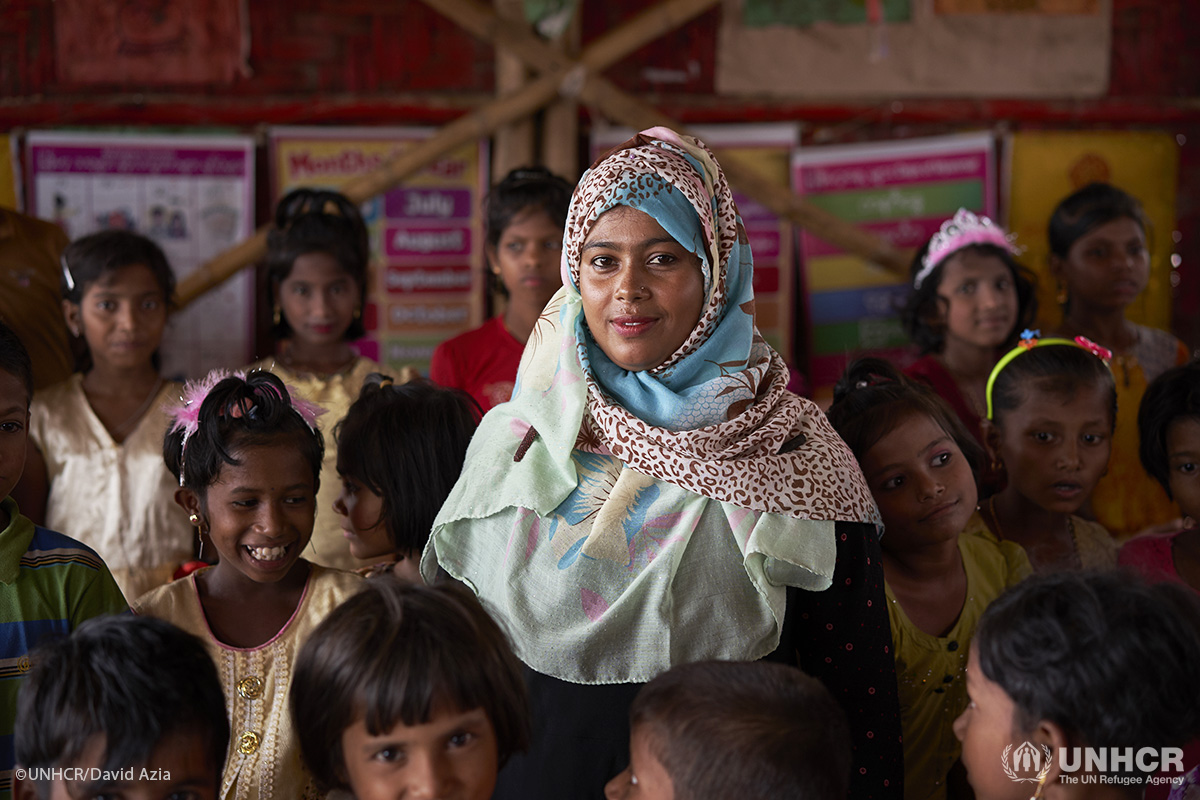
(1027, 762)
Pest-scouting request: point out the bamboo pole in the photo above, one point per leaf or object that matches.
(560, 123)
(605, 51)
(512, 144)
(627, 110)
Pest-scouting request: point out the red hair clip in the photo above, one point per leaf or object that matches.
(1102, 353)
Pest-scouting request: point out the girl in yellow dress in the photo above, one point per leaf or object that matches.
(317, 255)
(247, 456)
(95, 470)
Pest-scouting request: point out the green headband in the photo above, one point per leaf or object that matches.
(1030, 340)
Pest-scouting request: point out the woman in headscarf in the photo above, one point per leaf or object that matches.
(652, 495)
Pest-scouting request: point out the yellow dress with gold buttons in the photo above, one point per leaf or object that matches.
(264, 754)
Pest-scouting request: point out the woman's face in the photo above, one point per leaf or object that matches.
(1107, 267)
(642, 290)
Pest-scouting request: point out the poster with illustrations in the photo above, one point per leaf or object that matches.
(426, 276)
(769, 148)
(193, 195)
(901, 192)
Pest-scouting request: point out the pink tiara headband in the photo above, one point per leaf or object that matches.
(964, 229)
(185, 415)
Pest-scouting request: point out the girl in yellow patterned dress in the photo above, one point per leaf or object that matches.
(248, 457)
(317, 256)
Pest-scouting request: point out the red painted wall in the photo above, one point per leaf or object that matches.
(398, 62)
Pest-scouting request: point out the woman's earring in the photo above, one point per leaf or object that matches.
(358, 313)
(278, 315)
(1063, 295)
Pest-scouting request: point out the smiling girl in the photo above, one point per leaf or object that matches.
(918, 460)
(317, 255)
(247, 456)
(1051, 411)
(95, 471)
(1099, 256)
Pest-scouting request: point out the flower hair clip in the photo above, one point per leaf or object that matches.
(185, 416)
(1031, 339)
(1099, 351)
(873, 379)
(965, 228)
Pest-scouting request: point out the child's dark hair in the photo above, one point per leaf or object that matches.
(131, 681)
(406, 442)
(1107, 657)
(748, 730)
(1173, 395)
(872, 397)
(1087, 208)
(523, 189)
(89, 258)
(397, 653)
(1060, 369)
(924, 309)
(237, 413)
(306, 223)
(14, 359)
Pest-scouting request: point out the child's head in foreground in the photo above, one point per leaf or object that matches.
(406, 688)
(731, 729)
(1169, 427)
(133, 697)
(16, 388)
(400, 449)
(1078, 660)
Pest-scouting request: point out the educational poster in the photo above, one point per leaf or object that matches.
(826, 51)
(769, 147)
(150, 42)
(1044, 167)
(1016, 6)
(901, 192)
(426, 277)
(194, 195)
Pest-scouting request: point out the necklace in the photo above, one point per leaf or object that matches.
(119, 431)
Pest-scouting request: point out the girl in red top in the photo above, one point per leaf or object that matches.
(525, 216)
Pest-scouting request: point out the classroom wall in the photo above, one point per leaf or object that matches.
(368, 62)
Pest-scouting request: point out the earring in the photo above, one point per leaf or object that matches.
(1063, 295)
(358, 313)
(194, 518)
(997, 465)
(1041, 785)
(278, 317)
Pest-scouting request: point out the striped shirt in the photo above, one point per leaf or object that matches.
(49, 584)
